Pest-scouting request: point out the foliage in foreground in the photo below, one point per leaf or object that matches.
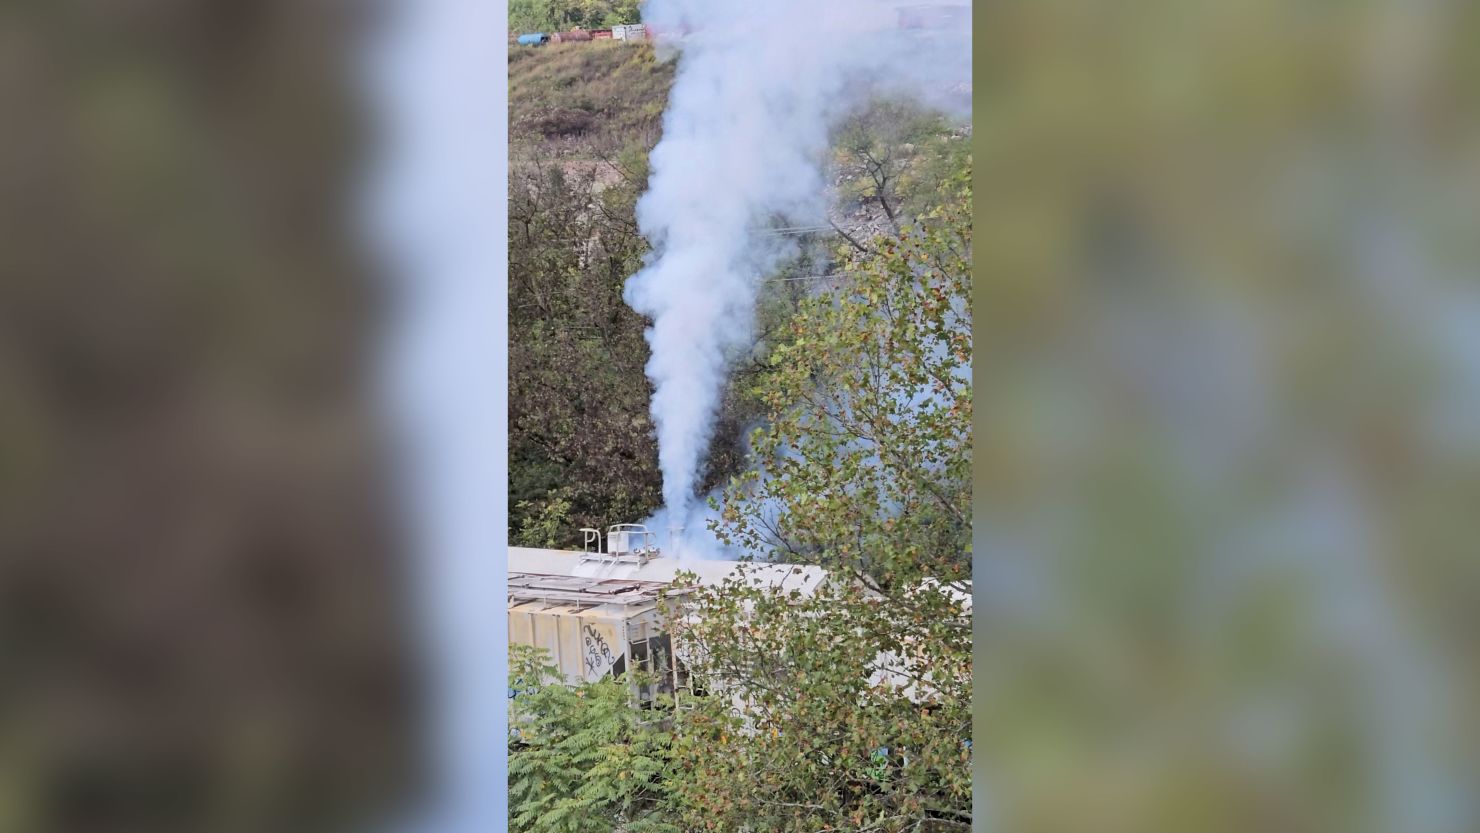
(583, 759)
(855, 701)
(864, 463)
(823, 744)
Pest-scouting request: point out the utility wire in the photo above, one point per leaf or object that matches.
(811, 277)
(809, 229)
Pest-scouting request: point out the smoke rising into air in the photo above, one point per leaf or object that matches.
(758, 88)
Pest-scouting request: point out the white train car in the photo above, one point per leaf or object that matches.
(634, 33)
(593, 628)
(597, 612)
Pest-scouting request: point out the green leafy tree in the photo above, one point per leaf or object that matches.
(848, 709)
(621, 12)
(547, 524)
(864, 463)
(892, 155)
(581, 447)
(561, 15)
(582, 759)
(853, 711)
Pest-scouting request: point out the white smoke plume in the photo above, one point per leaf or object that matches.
(759, 86)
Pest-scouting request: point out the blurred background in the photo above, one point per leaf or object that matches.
(1228, 457)
(1228, 448)
(200, 598)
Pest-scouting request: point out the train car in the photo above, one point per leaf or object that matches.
(573, 36)
(533, 39)
(600, 612)
(601, 34)
(594, 628)
(635, 32)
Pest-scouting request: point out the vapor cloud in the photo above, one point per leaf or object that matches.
(758, 89)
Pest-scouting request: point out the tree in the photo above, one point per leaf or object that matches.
(864, 463)
(582, 759)
(561, 15)
(581, 448)
(848, 709)
(854, 711)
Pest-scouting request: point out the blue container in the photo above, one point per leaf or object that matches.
(533, 39)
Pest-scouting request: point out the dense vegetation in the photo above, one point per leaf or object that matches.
(581, 450)
(564, 15)
(582, 119)
(856, 700)
(581, 444)
(582, 759)
(844, 443)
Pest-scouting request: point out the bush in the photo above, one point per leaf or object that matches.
(582, 759)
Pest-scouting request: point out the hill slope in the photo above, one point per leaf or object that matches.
(583, 118)
(586, 99)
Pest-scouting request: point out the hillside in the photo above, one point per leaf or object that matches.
(582, 119)
(585, 99)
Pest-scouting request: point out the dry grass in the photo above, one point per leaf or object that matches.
(582, 98)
